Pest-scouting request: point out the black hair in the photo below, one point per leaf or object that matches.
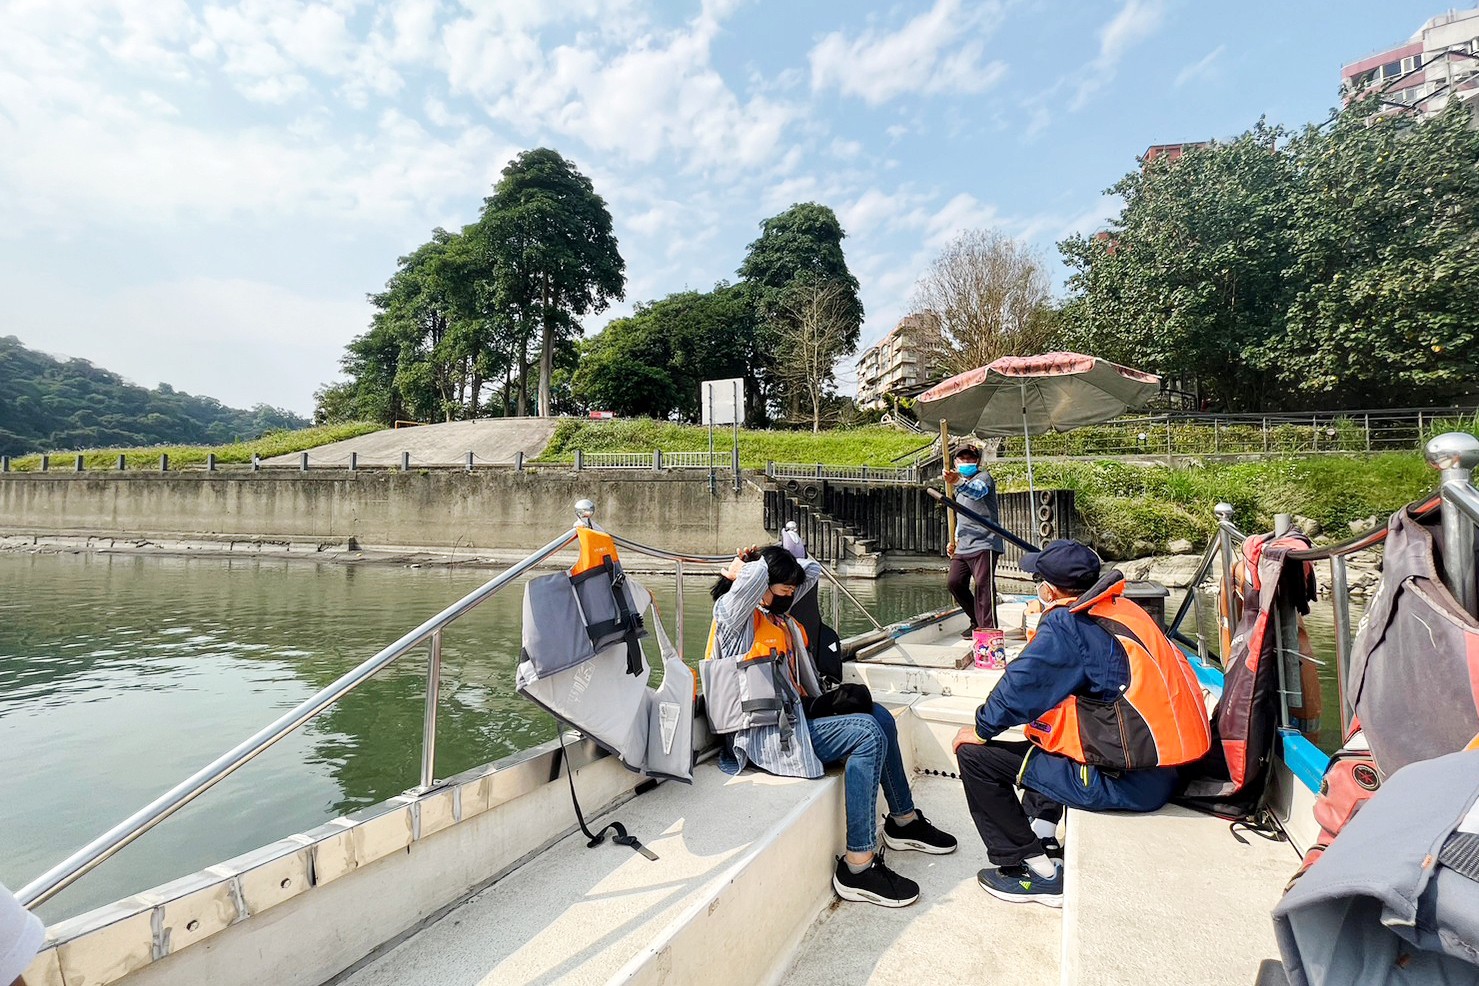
(781, 568)
(968, 452)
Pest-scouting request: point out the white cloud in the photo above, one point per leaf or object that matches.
(932, 53)
(1203, 68)
(1135, 21)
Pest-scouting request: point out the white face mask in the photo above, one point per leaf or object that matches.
(1042, 594)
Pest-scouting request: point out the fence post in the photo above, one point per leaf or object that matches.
(770, 469)
(45, 463)
(1421, 434)
(5, 463)
(1265, 436)
(469, 462)
(819, 470)
(256, 462)
(302, 461)
(1315, 431)
(405, 462)
(865, 474)
(519, 461)
(1368, 448)
(80, 466)
(1168, 441)
(1216, 438)
(579, 460)
(164, 462)
(210, 462)
(657, 461)
(736, 465)
(353, 461)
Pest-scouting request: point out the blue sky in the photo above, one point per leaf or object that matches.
(203, 194)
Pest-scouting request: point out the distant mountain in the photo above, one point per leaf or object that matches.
(50, 405)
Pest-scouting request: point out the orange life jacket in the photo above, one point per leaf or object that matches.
(772, 639)
(1158, 720)
(595, 548)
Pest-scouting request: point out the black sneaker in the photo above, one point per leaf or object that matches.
(967, 633)
(918, 835)
(1053, 849)
(876, 885)
(1019, 884)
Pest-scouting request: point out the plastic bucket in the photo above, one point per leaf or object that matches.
(989, 646)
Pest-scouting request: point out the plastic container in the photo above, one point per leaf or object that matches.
(990, 648)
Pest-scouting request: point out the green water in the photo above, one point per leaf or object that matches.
(119, 676)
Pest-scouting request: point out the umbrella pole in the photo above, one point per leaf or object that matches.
(949, 486)
(1027, 441)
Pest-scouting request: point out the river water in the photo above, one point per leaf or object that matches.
(121, 675)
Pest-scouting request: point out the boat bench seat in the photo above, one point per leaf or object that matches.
(733, 852)
(1171, 896)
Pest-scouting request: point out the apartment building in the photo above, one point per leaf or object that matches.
(902, 362)
(1438, 63)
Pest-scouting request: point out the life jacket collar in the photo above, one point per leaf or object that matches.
(1110, 585)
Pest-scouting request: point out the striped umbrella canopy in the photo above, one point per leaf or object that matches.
(1033, 395)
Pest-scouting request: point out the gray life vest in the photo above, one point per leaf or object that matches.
(1415, 663)
(590, 672)
(755, 689)
(1395, 899)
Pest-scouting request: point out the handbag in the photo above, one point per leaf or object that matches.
(849, 698)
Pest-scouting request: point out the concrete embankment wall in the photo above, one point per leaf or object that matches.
(487, 509)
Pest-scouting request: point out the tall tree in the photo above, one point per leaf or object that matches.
(1189, 278)
(818, 316)
(653, 362)
(989, 296)
(801, 245)
(549, 240)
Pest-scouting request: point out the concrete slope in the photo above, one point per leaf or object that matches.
(490, 440)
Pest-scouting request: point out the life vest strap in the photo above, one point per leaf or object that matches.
(621, 838)
(761, 705)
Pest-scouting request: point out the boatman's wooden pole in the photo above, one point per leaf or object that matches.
(949, 486)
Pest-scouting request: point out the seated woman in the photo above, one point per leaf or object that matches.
(751, 598)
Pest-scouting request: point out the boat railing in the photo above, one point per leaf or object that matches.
(1455, 455)
(95, 852)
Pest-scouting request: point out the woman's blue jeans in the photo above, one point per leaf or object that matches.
(870, 745)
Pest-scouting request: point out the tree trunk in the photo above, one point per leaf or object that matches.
(476, 388)
(546, 354)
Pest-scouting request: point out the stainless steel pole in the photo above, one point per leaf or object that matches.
(429, 718)
(678, 602)
(1455, 454)
(65, 873)
(1228, 591)
(1340, 603)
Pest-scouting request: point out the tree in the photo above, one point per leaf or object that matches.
(802, 245)
(652, 362)
(1189, 279)
(817, 319)
(548, 239)
(988, 296)
(1384, 231)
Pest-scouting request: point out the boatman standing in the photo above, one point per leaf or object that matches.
(974, 550)
(1110, 707)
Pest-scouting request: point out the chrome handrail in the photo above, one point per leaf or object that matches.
(95, 852)
(1455, 455)
(65, 873)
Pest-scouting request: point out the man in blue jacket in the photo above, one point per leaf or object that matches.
(974, 550)
(1071, 655)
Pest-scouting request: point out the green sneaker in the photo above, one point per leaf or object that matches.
(1019, 884)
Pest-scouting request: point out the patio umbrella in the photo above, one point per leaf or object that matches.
(1033, 395)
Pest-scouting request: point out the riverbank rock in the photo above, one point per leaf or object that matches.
(1171, 571)
(1362, 573)
(1180, 546)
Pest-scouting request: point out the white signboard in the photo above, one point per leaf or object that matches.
(723, 401)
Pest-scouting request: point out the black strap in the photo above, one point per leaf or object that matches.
(621, 838)
(632, 622)
(761, 705)
(787, 717)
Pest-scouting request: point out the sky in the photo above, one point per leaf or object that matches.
(203, 194)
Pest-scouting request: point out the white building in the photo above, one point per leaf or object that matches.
(1438, 63)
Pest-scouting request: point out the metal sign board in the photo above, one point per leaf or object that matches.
(723, 401)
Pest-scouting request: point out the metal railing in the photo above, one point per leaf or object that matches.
(1455, 455)
(95, 852)
(893, 475)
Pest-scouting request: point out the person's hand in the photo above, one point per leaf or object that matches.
(952, 477)
(950, 549)
(966, 736)
(748, 554)
(732, 570)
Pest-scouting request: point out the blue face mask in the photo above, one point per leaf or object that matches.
(967, 469)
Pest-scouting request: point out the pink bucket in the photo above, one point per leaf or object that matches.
(990, 648)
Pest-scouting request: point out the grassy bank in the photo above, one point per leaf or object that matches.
(872, 446)
(273, 443)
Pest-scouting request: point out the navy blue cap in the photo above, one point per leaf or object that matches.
(1065, 563)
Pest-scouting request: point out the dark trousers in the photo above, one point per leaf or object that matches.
(989, 773)
(979, 606)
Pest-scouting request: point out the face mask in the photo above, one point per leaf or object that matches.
(779, 604)
(967, 469)
(1042, 593)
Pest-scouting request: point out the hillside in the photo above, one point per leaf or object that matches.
(53, 405)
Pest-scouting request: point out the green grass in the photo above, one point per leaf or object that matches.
(868, 446)
(1132, 510)
(273, 443)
